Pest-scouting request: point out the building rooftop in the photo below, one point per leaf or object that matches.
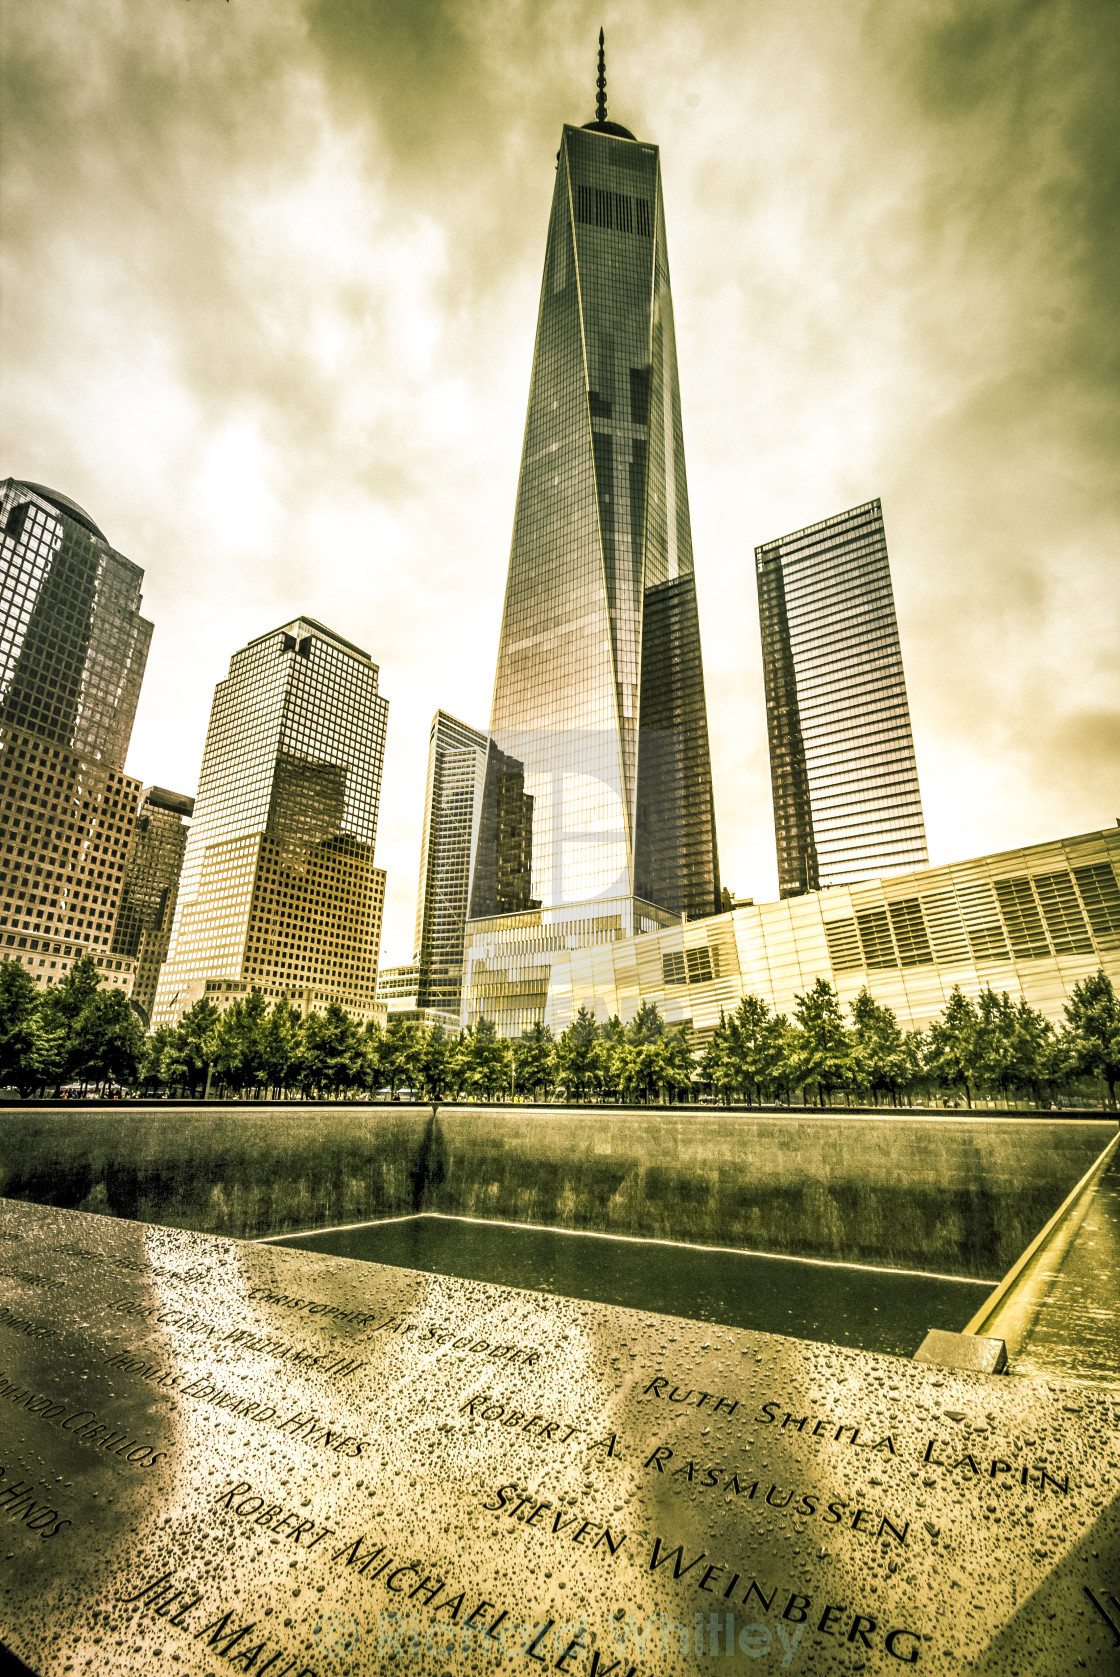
(66, 505)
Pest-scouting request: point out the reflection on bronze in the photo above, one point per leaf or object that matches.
(219, 1456)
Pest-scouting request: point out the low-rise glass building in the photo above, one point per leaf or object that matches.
(1032, 922)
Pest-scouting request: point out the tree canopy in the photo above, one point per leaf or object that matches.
(985, 1046)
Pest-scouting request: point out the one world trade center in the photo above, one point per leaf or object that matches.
(597, 820)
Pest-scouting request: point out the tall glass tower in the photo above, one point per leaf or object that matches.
(845, 781)
(151, 887)
(73, 646)
(457, 756)
(597, 817)
(278, 890)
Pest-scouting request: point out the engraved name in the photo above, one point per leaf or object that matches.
(839, 1512)
(572, 1527)
(19, 1500)
(246, 1504)
(224, 1634)
(835, 1620)
(487, 1620)
(84, 1424)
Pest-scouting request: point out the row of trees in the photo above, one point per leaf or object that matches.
(73, 1032)
(252, 1048)
(991, 1047)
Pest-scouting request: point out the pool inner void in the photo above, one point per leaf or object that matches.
(864, 1308)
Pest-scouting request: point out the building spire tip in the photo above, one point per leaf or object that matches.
(601, 83)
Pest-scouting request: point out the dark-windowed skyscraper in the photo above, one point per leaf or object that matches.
(452, 806)
(597, 818)
(845, 782)
(151, 888)
(73, 647)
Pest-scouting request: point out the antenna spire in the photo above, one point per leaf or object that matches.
(601, 84)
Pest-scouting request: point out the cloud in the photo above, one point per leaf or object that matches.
(269, 296)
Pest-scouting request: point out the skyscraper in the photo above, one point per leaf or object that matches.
(278, 890)
(597, 817)
(73, 647)
(845, 782)
(452, 808)
(151, 888)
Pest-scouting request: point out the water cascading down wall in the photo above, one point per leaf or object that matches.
(961, 1195)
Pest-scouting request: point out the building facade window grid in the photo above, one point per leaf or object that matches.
(278, 891)
(847, 804)
(73, 646)
(457, 758)
(598, 788)
(1033, 922)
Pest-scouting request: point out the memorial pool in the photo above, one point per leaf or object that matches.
(864, 1308)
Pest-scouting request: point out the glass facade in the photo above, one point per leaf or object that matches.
(597, 811)
(73, 647)
(845, 781)
(278, 889)
(457, 757)
(1033, 922)
(151, 888)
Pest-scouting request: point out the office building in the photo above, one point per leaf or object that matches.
(452, 810)
(73, 647)
(278, 891)
(845, 783)
(151, 888)
(1033, 922)
(597, 820)
(398, 999)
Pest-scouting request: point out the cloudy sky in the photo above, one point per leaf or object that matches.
(269, 292)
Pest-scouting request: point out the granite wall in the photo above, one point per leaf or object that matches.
(962, 1195)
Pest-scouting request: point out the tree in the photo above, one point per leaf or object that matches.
(236, 1042)
(107, 1043)
(612, 1035)
(677, 1060)
(280, 1046)
(1037, 1058)
(716, 1065)
(187, 1056)
(398, 1056)
(459, 1066)
(67, 1000)
(953, 1044)
(534, 1061)
(579, 1056)
(757, 1047)
(150, 1074)
(488, 1060)
(651, 1056)
(332, 1056)
(1091, 1045)
(879, 1060)
(646, 1026)
(60, 1009)
(821, 1050)
(915, 1053)
(434, 1062)
(1012, 1045)
(22, 1035)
